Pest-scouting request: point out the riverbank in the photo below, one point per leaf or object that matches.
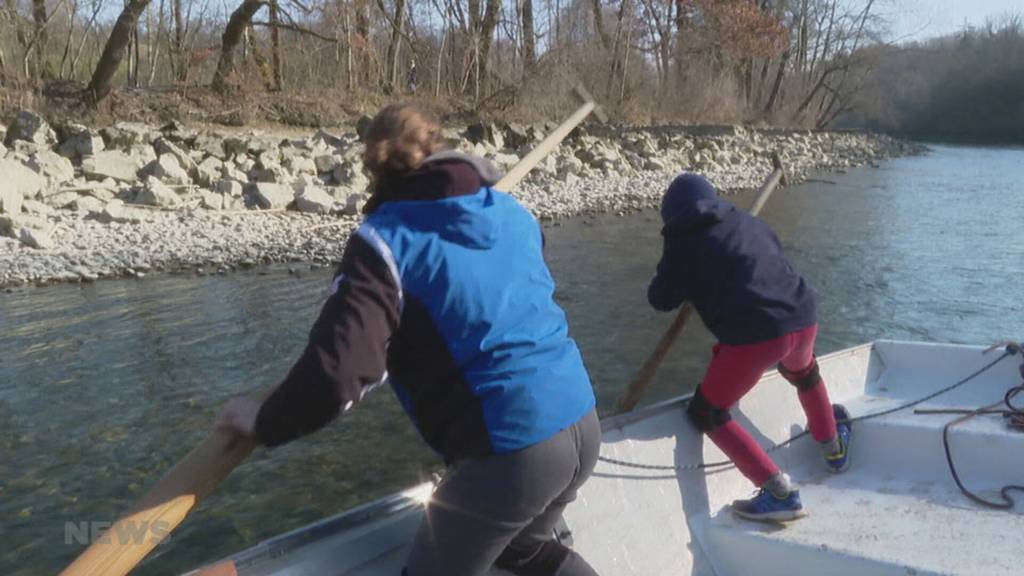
(131, 199)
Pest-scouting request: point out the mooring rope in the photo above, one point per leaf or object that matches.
(1015, 419)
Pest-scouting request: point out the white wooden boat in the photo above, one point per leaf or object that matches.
(897, 511)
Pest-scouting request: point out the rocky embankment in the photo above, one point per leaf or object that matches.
(77, 204)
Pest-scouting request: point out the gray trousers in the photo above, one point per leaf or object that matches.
(501, 510)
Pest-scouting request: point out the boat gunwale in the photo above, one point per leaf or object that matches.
(412, 499)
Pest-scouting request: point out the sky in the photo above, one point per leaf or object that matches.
(919, 19)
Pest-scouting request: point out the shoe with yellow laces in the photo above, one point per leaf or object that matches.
(839, 461)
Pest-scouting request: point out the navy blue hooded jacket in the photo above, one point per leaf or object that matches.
(729, 265)
(443, 291)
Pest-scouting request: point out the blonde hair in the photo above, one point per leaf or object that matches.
(398, 139)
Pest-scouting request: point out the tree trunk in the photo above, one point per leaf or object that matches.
(391, 73)
(113, 52)
(801, 55)
(682, 22)
(440, 54)
(363, 32)
(3, 67)
(239, 21)
(261, 63)
(487, 26)
(529, 36)
(19, 30)
(275, 46)
(42, 40)
(473, 7)
(599, 24)
(618, 66)
(349, 66)
(69, 39)
(777, 85)
(180, 62)
(625, 64)
(134, 68)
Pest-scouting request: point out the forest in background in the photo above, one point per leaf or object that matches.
(964, 87)
(801, 63)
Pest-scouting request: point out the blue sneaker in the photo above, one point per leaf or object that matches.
(765, 506)
(840, 461)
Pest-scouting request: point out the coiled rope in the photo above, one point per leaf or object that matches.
(1015, 419)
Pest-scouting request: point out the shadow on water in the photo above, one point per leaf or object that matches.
(102, 387)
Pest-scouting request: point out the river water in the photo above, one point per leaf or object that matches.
(102, 387)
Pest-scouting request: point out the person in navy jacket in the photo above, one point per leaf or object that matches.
(444, 293)
(731, 267)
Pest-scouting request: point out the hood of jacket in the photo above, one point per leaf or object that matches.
(691, 202)
(450, 195)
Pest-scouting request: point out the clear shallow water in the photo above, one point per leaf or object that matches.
(103, 387)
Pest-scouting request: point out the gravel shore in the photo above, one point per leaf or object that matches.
(78, 205)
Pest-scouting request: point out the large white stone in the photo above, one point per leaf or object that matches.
(128, 134)
(37, 208)
(228, 187)
(505, 161)
(111, 164)
(164, 146)
(38, 238)
(80, 141)
(209, 171)
(327, 162)
(272, 196)
(352, 176)
(168, 170)
(211, 200)
(156, 193)
(267, 169)
(87, 204)
(300, 165)
(314, 199)
(113, 211)
(354, 203)
(17, 182)
(52, 166)
(30, 127)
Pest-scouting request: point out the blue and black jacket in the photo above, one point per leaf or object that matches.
(730, 265)
(443, 291)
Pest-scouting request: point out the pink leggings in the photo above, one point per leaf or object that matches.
(734, 370)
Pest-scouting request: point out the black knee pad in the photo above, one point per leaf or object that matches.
(803, 382)
(705, 416)
(543, 561)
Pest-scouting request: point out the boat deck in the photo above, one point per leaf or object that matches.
(896, 511)
(861, 524)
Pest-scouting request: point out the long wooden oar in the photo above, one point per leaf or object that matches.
(643, 378)
(166, 505)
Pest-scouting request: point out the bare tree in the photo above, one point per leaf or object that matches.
(487, 26)
(529, 35)
(41, 38)
(240, 19)
(114, 51)
(602, 35)
(397, 22)
(180, 63)
(275, 45)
